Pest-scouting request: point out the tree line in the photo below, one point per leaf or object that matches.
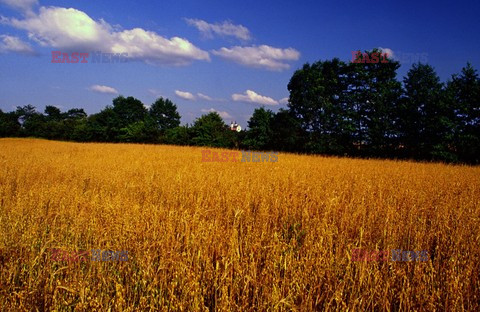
(335, 108)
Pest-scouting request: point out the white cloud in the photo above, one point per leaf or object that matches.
(263, 56)
(14, 44)
(21, 5)
(73, 30)
(224, 29)
(222, 114)
(204, 97)
(192, 97)
(185, 95)
(283, 100)
(156, 49)
(388, 51)
(103, 89)
(253, 97)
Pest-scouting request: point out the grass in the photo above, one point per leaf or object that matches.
(232, 236)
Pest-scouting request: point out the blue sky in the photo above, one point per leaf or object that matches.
(227, 56)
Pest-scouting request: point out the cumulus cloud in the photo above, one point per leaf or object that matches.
(253, 97)
(185, 95)
(222, 114)
(263, 56)
(73, 30)
(226, 28)
(103, 89)
(283, 100)
(21, 5)
(14, 44)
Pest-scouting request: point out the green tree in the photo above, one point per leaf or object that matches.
(165, 115)
(128, 110)
(71, 120)
(211, 130)
(316, 101)
(259, 134)
(25, 112)
(54, 127)
(33, 122)
(372, 102)
(135, 132)
(463, 93)
(287, 134)
(426, 126)
(326, 98)
(75, 113)
(180, 135)
(101, 127)
(9, 125)
(53, 113)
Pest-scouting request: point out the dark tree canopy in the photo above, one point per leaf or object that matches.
(424, 123)
(53, 113)
(211, 130)
(164, 114)
(463, 95)
(128, 110)
(259, 135)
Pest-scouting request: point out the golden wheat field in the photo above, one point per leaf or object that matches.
(232, 236)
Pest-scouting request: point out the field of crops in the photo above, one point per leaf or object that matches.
(232, 236)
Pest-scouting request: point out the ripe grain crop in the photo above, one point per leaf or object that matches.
(213, 236)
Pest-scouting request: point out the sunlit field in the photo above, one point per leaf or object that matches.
(232, 236)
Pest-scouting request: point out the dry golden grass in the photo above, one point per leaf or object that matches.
(232, 236)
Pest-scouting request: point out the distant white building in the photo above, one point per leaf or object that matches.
(235, 127)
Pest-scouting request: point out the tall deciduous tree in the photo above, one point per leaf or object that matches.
(463, 93)
(102, 127)
(372, 101)
(426, 124)
(287, 134)
(259, 134)
(211, 130)
(53, 113)
(128, 110)
(317, 102)
(164, 114)
(33, 122)
(9, 125)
